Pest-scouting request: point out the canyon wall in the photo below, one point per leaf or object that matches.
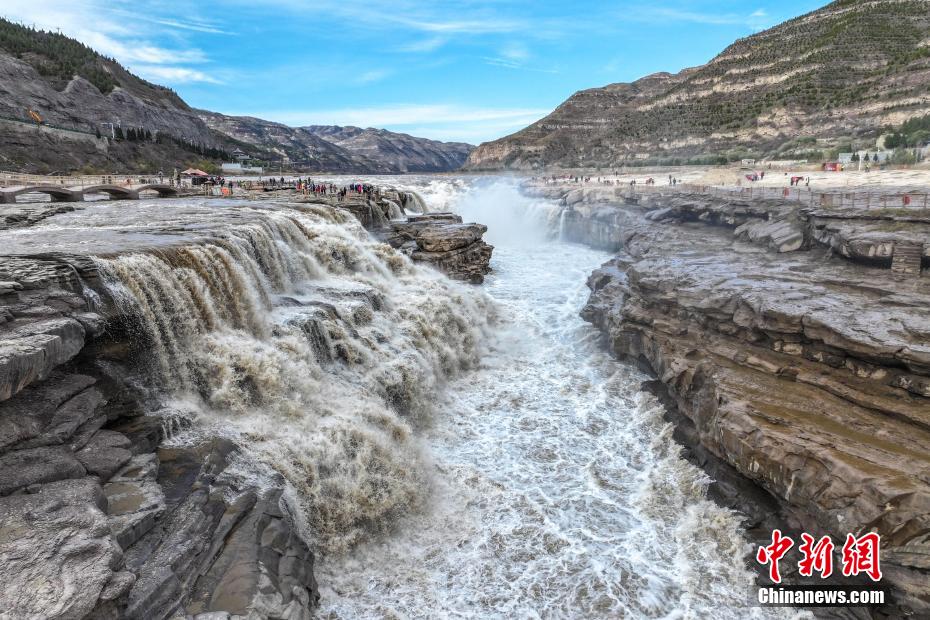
(795, 360)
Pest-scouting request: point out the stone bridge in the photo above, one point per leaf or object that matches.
(61, 193)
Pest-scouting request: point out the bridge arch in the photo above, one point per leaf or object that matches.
(57, 193)
(164, 190)
(115, 192)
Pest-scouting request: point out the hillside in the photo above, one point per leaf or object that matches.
(82, 97)
(403, 152)
(342, 149)
(833, 76)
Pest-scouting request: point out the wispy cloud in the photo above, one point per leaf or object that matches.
(370, 77)
(755, 20)
(439, 121)
(115, 31)
(424, 45)
(176, 75)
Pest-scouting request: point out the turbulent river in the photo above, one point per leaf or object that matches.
(448, 450)
(555, 487)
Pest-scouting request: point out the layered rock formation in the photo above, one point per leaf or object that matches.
(397, 151)
(791, 365)
(98, 519)
(442, 241)
(843, 71)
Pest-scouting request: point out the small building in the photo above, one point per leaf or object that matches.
(240, 156)
(238, 168)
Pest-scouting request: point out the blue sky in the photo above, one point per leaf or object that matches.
(471, 70)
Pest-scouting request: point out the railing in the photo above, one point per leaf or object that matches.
(15, 179)
(865, 199)
(32, 123)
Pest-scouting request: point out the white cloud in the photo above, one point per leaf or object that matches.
(176, 75)
(756, 20)
(119, 33)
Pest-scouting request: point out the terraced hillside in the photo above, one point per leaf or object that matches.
(839, 73)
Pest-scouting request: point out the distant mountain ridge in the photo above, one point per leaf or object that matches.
(838, 73)
(342, 149)
(82, 96)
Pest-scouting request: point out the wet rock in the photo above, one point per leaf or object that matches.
(444, 242)
(21, 468)
(31, 352)
(57, 558)
(218, 547)
(105, 453)
(134, 498)
(26, 415)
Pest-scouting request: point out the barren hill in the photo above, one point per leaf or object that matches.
(841, 72)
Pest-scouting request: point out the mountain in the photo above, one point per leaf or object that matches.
(829, 78)
(343, 149)
(89, 103)
(402, 151)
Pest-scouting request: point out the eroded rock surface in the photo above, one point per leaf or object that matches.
(799, 368)
(96, 520)
(444, 242)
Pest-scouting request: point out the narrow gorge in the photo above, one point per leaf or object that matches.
(275, 407)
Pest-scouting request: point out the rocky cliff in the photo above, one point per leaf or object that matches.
(835, 74)
(794, 362)
(99, 519)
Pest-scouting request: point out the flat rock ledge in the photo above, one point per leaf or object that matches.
(798, 373)
(96, 519)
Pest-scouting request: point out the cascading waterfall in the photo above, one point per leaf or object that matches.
(318, 349)
(394, 210)
(413, 202)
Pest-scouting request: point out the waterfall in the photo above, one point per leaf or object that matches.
(562, 217)
(318, 349)
(394, 210)
(414, 202)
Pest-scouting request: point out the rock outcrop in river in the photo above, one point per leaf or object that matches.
(796, 359)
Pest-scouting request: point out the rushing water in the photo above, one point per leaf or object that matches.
(556, 488)
(450, 451)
